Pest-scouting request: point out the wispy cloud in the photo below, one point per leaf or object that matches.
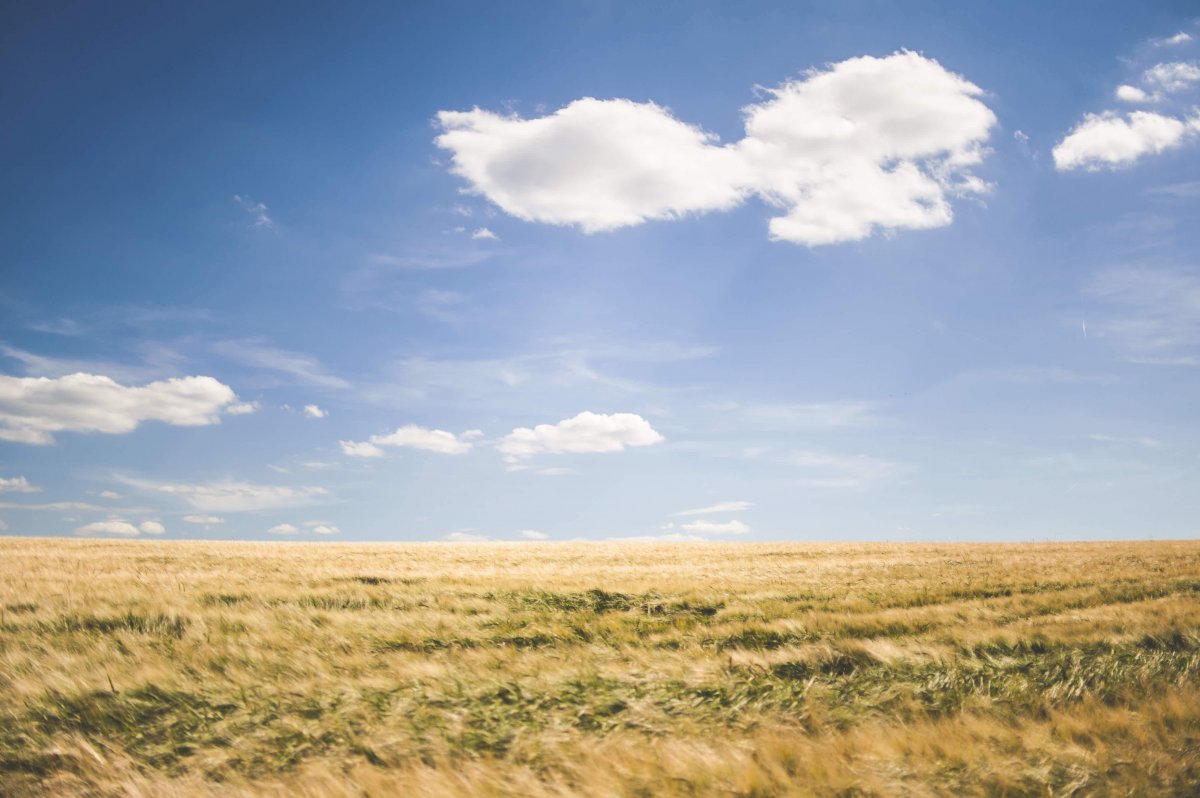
(1151, 313)
(719, 507)
(256, 210)
(231, 496)
(303, 368)
(827, 470)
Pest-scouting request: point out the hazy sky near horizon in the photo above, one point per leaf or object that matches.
(728, 271)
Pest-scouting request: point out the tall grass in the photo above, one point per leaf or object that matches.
(181, 669)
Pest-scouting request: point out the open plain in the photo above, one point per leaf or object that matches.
(194, 669)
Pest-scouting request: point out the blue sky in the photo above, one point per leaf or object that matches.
(729, 271)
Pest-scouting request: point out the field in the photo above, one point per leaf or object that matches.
(197, 669)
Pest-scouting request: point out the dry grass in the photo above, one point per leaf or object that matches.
(188, 669)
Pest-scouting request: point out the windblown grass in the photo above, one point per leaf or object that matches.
(196, 669)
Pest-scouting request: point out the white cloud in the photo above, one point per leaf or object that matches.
(308, 527)
(1179, 38)
(16, 485)
(410, 435)
(824, 470)
(242, 408)
(33, 408)
(706, 527)
(586, 432)
(868, 144)
(257, 210)
(1109, 140)
(113, 526)
(719, 507)
(1151, 314)
(205, 520)
(1173, 77)
(1131, 94)
(312, 411)
(533, 534)
(152, 527)
(109, 494)
(464, 537)
(360, 449)
(236, 497)
(482, 233)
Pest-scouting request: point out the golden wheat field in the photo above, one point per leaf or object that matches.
(236, 669)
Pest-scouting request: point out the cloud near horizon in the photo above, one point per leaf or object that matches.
(866, 145)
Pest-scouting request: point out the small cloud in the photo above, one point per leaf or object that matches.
(482, 233)
(113, 526)
(1131, 94)
(1109, 141)
(360, 449)
(706, 527)
(413, 436)
(464, 537)
(257, 210)
(719, 507)
(1022, 141)
(204, 520)
(1179, 38)
(242, 408)
(16, 485)
(533, 534)
(312, 411)
(308, 527)
(586, 432)
(555, 472)
(1173, 77)
(109, 494)
(152, 527)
